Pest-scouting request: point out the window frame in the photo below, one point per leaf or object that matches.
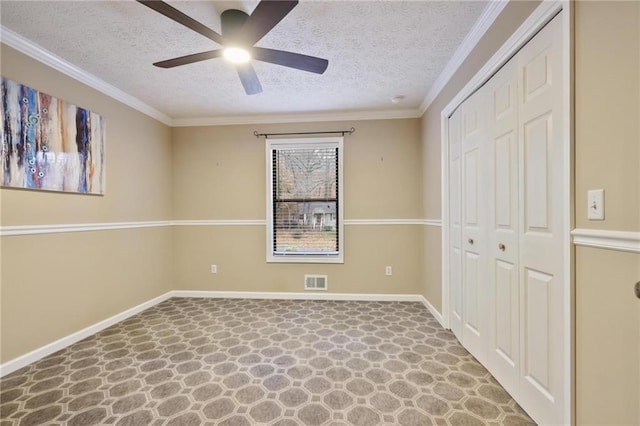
(304, 143)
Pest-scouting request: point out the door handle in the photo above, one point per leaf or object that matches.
(502, 247)
(637, 289)
(470, 241)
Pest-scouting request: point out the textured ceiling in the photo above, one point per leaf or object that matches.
(376, 50)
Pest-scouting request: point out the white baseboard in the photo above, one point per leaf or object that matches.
(298, 296)
(33, 356)
(37, 354)
(437, 315)
(312, 296)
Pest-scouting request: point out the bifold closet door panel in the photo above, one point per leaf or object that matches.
(455, 226)
(542, 278)
(474, 276)
(503, 356)
(507, 205)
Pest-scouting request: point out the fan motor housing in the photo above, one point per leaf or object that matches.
(232, 21)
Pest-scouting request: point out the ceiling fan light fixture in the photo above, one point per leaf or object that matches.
(240, 32)
(237, 55)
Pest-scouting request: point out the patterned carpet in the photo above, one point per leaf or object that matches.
(272, 362)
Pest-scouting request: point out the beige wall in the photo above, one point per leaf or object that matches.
(607, 338)
(509, 20)
(607, 155)
(220, 174)
(607, 110)
(57, 284)
(240, 253)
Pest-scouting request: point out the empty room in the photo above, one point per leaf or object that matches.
(259, 212)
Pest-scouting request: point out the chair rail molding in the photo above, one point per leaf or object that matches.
(16, 230)
(628, 241)
(7, 231)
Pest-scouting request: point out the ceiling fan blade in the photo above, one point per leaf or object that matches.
(174, 14)
(189, 59)
(291, 60)
(265, 16)
(249, 79)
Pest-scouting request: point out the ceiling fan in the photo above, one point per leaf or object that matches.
(240, 33)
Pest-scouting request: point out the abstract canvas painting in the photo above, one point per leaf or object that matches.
(49, 144)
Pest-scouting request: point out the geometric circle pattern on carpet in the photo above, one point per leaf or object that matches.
(192, 361)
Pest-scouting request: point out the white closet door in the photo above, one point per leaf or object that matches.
(455, 226)
(542, 235)
(473, 187)
(503, 359)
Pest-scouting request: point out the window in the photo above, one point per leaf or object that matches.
(304, 200)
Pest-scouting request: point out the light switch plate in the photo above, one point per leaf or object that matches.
(595, 204)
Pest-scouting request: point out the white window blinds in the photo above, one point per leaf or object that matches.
(305, 200)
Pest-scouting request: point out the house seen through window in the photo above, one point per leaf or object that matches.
(305, 200)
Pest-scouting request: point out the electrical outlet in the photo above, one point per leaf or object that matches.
(214, 269)
(595, 205)
(388, 271)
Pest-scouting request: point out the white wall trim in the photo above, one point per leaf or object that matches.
(33, 356)
(298, 296)
(40, 54)
(249, 222)
(37, 52)
(538, 18)
(297, 118)
(37, 354)
(384, 222)
(569, 210)
(432, 222)
(6, 231)
(436, 314)
(428, 222)
(536, 21)
(605, 239)
(484, 22)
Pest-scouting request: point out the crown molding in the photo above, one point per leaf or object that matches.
(296, 118)
(482, 25)
(534, 22)
(31, 49)
(40, 54)
(484, 22)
